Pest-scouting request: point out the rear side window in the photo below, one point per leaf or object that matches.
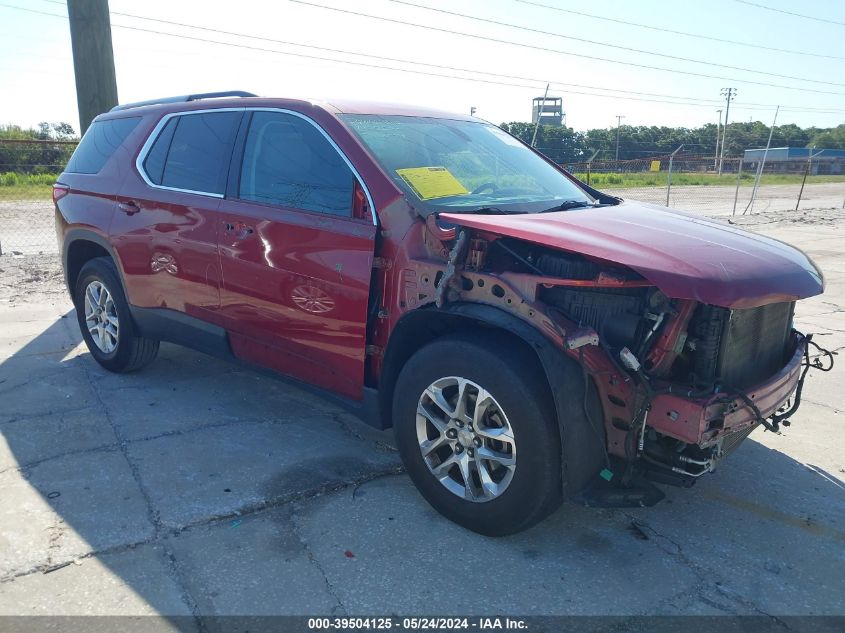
(156, 157)
(287, 161)
(192, 152)
(99, 143)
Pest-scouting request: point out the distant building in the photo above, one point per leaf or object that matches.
(549, 110)
(824, 161)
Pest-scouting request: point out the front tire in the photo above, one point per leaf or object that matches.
(474, 424)
(105, 321)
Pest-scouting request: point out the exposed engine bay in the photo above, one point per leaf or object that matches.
(663, 353)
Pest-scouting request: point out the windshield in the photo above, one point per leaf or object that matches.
(461, 166)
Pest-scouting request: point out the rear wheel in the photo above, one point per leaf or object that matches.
(105, 321)
(474, 424)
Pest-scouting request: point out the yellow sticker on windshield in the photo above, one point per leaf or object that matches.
(432, 182)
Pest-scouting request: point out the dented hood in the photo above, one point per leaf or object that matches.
(685, 256)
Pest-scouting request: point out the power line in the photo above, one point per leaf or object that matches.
(553, 50)
(616, 46)
(405, 61)
(797, 15)
(701, 101)
(674, 32)
(414, 71)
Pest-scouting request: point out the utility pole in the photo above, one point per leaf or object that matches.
(472, 110)
(93, 58)
(619, 118)
(728, 94)
(718, 131)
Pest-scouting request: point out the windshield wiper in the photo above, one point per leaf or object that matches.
(572, 204)
(480, 210)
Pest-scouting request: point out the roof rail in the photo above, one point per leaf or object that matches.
(184, 98)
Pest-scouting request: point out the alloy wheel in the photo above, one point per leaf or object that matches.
(101, 317)
(466, 439)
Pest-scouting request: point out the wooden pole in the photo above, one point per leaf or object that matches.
(93, 58)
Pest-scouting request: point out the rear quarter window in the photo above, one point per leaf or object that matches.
(99, 143)
(157, 156)
(194, 153)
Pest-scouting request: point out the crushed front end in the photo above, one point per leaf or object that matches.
(681, 381)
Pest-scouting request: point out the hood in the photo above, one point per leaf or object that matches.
(684, 255)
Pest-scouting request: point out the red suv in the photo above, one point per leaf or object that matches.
(528, 337)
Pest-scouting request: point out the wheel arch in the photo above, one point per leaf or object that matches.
(581, 452)
(81, 246)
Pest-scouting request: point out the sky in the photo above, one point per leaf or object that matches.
(486, 62)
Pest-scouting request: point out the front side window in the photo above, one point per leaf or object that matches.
(288, 162)
(450, 165)
(101, 140)
(192, 152)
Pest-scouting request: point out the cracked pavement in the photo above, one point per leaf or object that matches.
(197, 488)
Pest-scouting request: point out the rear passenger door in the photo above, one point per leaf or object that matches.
(165, 230)
(296, 262)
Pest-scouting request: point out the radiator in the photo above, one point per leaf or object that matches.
(741, 348)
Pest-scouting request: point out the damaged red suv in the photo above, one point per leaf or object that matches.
(529, 338)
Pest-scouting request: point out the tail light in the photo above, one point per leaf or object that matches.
(360, 205)
(59, 191)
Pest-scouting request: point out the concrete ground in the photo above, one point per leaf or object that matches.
(718, 200)
(198, 488)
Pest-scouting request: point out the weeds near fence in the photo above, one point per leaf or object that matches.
(658, 179)
(28, 170)
(14, 186)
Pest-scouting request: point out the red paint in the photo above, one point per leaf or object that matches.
(297, 292)
(686, 256)
(269, 276)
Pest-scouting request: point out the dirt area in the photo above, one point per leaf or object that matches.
(195, 488)
(27, 277)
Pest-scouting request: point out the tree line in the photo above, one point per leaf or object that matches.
(561, 144)
(35, 158)
(565, 145)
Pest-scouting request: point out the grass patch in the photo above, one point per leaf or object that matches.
(651, 179)
(15, 186)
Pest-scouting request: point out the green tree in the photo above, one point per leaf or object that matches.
(833, 138)
(36, 157)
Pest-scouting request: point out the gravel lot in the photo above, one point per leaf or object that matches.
(197, 488)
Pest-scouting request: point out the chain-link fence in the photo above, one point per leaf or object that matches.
(28, 169)
(694, 183)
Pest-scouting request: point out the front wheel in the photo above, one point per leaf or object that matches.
(474, 423)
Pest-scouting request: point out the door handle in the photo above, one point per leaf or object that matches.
(129, 208)
(239, 230)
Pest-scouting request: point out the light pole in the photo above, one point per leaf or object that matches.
(728, 94)
(718, 131)
(619, 118)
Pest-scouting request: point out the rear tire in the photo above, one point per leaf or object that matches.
(105, 320)
(471, 471)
